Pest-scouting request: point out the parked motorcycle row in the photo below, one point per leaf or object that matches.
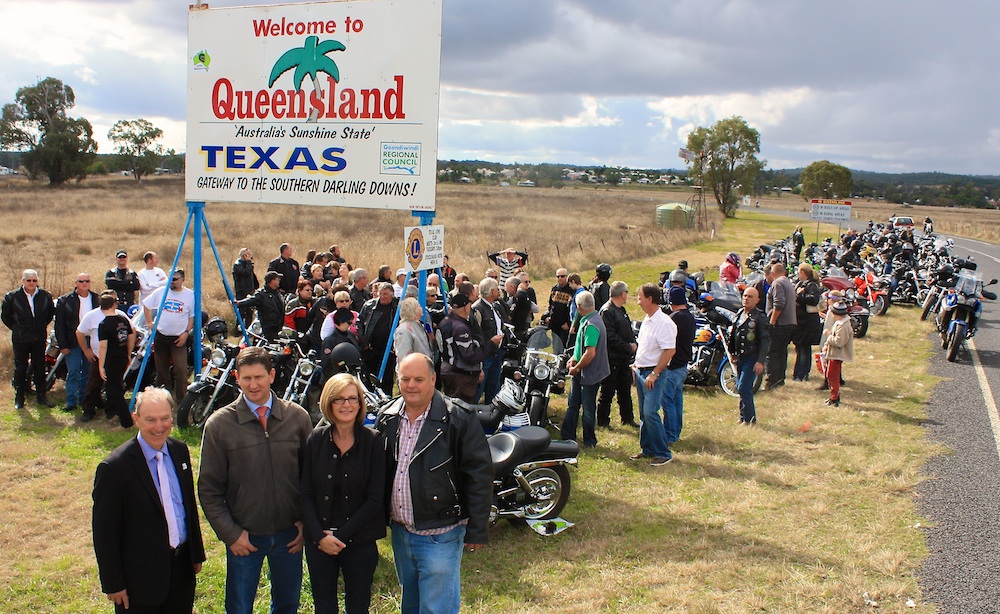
(878, 268)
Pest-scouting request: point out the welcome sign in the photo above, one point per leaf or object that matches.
(327, 103)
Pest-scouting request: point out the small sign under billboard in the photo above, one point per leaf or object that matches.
(424, 247)
(830, 210)
(321, 103)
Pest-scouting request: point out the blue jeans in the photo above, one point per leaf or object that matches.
(585, 396)
(491, 378)
(77, 372)
(429, 570)
(284, 571)
(744, 385)
(673, 402)
(652, 430)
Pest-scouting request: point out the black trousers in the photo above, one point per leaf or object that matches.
(23, 350)
(180, 597)
(373, 362)
(619, 382)
(356, 562)
(115, 389)
(777, 354)
(92, 397)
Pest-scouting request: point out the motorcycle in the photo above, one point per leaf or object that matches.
(711, 358)
(538, 366)
(960, 310)
(303, 384)
(858, 312)
(531, 479)
(872, 288)
(939, 283)
(217, 386)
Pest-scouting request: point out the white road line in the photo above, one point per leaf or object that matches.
(984, 254)
(984, 385)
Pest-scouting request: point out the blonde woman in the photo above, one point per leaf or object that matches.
(342, 489)
(410, 335)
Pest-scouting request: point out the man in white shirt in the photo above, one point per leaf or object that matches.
(657, 344)
(170, 342)
(151, 277)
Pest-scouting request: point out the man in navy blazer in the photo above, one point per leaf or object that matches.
(27, 312)
(147, 563)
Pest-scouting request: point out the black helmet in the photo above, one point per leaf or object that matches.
(346, 356)
(856, 245)
(216, 327)
(945, 272)
(604, 271)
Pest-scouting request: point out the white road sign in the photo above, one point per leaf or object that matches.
(830, 210)
(321, 103)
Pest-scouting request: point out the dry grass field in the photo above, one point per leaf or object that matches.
(809, 512)
(63, 231)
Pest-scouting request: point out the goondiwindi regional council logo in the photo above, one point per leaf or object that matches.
(415, 248)
(201, 60)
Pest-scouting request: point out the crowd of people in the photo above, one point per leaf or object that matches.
(272, 487)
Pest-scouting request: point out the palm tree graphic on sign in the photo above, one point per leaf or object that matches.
(309, 59)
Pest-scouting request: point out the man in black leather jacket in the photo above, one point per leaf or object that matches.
(439, 487)
(621, 352)
(270, 307)
(375, 332)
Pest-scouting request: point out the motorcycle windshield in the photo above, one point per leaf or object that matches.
(545, 341)
(966, 283)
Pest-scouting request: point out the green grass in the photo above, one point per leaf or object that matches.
(805, 512)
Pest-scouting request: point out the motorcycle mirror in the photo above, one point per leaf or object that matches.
(992, 281)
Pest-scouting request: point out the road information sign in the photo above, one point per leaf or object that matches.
(319, 103)
(424, 247)
(830, 210)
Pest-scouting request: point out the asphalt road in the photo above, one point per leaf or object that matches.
(961, 496)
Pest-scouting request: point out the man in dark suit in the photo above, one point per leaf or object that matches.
(491, 314)
(27, 312)
(146, 532)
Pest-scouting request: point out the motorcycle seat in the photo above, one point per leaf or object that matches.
(561, 449)
(508, 449)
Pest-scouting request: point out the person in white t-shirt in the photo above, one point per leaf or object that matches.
(86, 337)
(657, 345)
(151, 277)
(172, 332)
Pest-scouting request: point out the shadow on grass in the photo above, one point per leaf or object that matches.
(601, 542)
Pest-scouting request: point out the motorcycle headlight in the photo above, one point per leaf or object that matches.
(541, 371)
(307, 368)
(219, 357)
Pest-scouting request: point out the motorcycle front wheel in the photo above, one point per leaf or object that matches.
(194, 409)
(955, 341)
(928, 304)
(538, 410)
(727, 379)
(860, 325)
(879, 305)
(554, 482)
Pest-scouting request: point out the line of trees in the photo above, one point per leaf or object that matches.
(61, 148)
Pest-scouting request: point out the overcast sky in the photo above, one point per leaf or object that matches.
(895, 86)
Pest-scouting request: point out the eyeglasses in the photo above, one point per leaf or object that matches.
(177, 279)
(34, 281)
(83, 281)
(561, 276)
(343, 300)
(342, 400)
